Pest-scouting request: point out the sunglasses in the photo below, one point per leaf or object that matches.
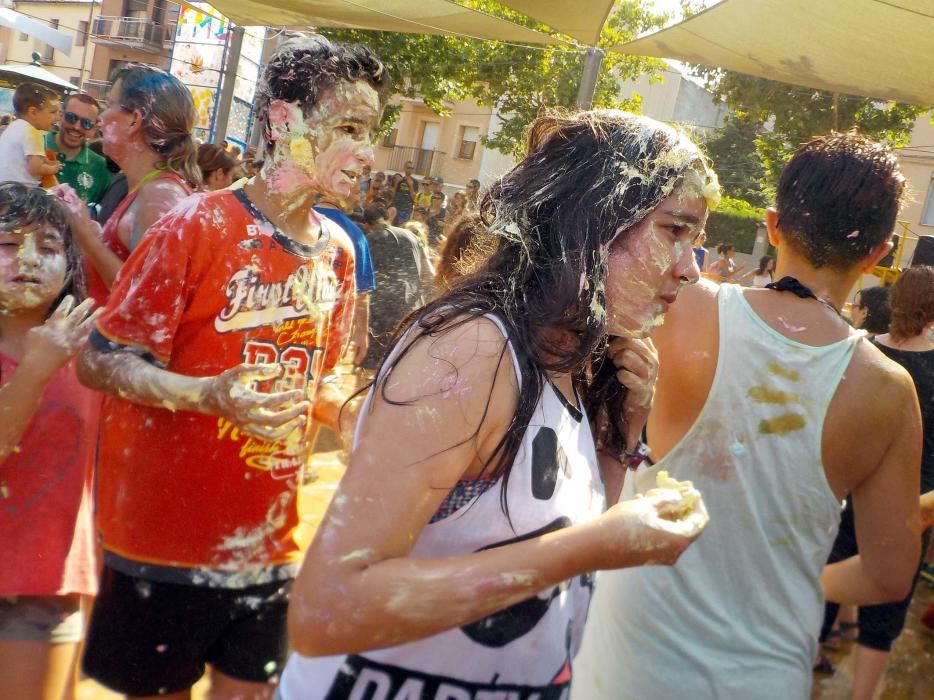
(72, 118)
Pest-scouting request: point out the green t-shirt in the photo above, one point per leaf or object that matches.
(87, 173)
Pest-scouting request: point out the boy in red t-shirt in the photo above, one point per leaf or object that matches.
(212, 349)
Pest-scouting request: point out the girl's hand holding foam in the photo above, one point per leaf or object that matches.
(652, 528)
(271, 417)
(55, 342)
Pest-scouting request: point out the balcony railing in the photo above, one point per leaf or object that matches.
(97, 89)
(427, 161)
(135, 32)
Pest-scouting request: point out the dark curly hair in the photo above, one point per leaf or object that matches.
(303, 67)
(838, 198)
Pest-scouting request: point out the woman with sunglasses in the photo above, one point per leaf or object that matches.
(83, 169)
(146, 129)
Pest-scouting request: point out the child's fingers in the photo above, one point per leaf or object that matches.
(81, 311)
(91, 318)
(64, 308)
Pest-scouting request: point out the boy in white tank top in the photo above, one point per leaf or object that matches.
(777, 411)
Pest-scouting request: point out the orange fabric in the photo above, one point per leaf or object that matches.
(210, 286)
(49, 181)
(97, 289)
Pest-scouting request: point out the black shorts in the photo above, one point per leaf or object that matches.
(879, 625)
(149, 638)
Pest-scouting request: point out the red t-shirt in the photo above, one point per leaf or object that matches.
(214, 284)
(46, 528)
(97, 289)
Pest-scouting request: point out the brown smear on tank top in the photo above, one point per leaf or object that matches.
(785, 423)
(764, 394)
(779, 370)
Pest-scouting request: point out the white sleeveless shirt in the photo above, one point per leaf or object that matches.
(523, 651)
(738, 616)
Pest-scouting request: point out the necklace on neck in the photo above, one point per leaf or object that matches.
(791, 284)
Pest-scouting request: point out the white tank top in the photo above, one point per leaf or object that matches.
(525, 649)
(738, 616)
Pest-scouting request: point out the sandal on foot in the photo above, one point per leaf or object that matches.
(824, 666)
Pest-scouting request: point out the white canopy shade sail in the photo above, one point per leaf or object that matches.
(582, 20)
(872, 48)
(421, 17)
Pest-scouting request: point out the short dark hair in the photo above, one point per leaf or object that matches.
(31, 95)
(725, 248)
(374, 213)
(84, 98)
(878, 313)
(912, 301)
(838, 198)
(303, 67)
(473, 182)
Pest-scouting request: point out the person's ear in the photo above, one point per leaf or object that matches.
(876, 254)
(771, 226)
(136, 122)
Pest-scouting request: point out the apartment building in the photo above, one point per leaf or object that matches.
(70, 16)
(130, 31)
(917, 162)
(107, 34)
(449, 147)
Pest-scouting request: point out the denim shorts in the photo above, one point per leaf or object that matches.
(50, 619)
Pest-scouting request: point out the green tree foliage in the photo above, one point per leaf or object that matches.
(732, 148)
(734, 221)
(788, 115)
(521, 81)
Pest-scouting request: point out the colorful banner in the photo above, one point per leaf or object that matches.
(200, 51)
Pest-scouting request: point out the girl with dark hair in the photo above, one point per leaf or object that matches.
(723, 269)
(871, 310)
(459, 548)
(762, 275)
(47, 426)
(146, 129)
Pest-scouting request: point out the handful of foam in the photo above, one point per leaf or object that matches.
(689, 494)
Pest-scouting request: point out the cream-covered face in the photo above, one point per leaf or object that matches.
(33, 268)
(329, 149)
(649, 264)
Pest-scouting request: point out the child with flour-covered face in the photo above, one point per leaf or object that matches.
(48, 423)
(216, 343)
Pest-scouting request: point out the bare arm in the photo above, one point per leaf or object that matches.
(267, 416)
(927, 510)
(359, 588)
(39, 166)
(47, 348)
(887, 514)
(361, 327)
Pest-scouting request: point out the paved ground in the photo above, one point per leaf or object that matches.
(910, 675)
